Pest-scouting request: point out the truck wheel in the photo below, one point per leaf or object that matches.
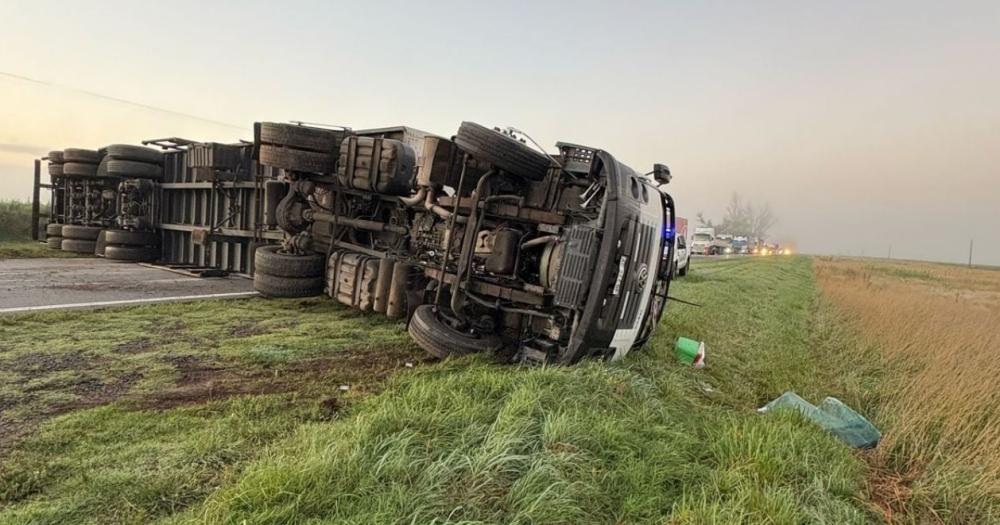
(100, 244)
(56, 157)
(83, 233)
(53, 230)
(297, 160)
(135, 153)
(269, 260)
(502, 151)
(56, 170)
(131, 253)
(301, 137)
(86, 156)
(131, 238)
(78, 246)
(440, 340)
(684, 270)
(130, 169)
(277, 286)
(79, 169)
(55, 243)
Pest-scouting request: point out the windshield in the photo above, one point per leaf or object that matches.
(702, 237)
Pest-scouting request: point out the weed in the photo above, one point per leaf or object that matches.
(939, 403)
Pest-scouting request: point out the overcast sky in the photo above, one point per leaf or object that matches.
(863, 124)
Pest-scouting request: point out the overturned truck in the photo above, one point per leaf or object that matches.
(481, 242)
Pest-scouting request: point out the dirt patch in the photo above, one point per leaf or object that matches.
(889, 492)
(35, 362)
(247, 330)
(330, 407)
(136, 346)
(202, 381)
(92, 392)
(173, 327)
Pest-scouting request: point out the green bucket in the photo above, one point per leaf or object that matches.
(690, 352)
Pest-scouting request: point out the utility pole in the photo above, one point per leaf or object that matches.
(970, 253)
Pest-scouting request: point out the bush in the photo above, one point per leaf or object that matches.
(15, 220)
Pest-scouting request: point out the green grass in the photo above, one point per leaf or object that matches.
(24, 249)
(645, 440)
(15, 234)
(15, 220)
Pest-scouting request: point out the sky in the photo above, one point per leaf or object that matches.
(864, 125)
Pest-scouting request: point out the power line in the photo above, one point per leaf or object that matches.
(120, 100)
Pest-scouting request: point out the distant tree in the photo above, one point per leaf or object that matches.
(703, 222)
(743, 219)
(738, 217)
(762, 219)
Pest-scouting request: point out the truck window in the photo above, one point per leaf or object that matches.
(681, 243)
(702, 237)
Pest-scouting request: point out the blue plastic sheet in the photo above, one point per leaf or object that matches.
(833, 415)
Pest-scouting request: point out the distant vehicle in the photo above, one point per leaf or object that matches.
(682, 255)
(741, 246)
(723, 244)
(767, 249)
(703, 242)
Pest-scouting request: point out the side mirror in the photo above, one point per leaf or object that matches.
(661, 173)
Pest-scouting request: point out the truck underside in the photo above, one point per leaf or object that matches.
(479, 241)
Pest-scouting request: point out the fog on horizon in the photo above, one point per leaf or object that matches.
(863, 126)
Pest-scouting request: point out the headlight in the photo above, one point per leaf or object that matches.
(729, 250)
(786, 251)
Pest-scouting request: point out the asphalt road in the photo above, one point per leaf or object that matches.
(49, 284)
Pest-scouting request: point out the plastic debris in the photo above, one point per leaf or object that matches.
(690, 352)
(833, 415)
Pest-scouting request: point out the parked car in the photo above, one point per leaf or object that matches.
(682, 257)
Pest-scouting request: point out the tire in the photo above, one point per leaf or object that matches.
(56, 157)
(132, 238)
(83, 233)
(277, 286)
(301, 137)
(131, 253)
(53, 230)
(268, 260)
(130, 169)
(135, 153)
(55, 243)
(440, 340)
(102, 168)
(79, 169)
(85, 156)
(100, 244)
(78, 246)
(684, 270)
(56, 170)
(503, 152)
(297, 160)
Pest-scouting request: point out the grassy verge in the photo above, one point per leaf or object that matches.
(24, 249)
(15, 234)
(936, 327)
(645, 440)
(15, 220)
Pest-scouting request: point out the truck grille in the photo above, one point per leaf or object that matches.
(576, 266)
(647, 239)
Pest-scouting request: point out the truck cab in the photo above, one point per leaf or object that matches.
(703, 242)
